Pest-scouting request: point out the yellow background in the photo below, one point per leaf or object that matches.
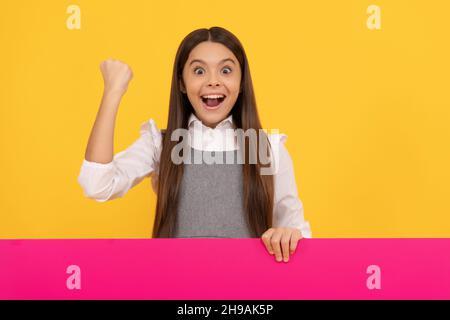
(366, 111)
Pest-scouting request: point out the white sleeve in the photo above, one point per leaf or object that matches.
(107, 181)
(288, 208)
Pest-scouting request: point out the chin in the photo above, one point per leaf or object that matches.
(211, 120)
(207, 118)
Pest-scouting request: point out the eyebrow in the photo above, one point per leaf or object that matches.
(201, 61)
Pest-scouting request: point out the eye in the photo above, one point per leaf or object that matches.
(228, 69)
(197, 68)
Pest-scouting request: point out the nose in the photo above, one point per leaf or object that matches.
(213, 82)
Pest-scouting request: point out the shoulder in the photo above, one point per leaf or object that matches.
(278, 143)
(277, 138)
(150, 128)
(281, 157)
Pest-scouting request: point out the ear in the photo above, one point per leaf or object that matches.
(182, 88)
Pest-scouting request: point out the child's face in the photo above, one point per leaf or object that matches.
(211, 75)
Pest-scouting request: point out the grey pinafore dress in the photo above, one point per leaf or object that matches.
(211, 198)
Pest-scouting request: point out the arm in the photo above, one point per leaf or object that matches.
(116, 76)
(288, 208)
(289, 225)
(106, 176)
(103, 182)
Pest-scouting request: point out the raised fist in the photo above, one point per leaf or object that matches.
(116, 75)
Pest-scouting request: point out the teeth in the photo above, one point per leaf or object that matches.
(214, 96)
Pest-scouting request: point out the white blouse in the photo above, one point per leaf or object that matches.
(107, 181)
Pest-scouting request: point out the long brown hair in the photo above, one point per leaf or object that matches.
(258, 189)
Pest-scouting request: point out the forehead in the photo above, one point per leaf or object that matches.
(211, 52)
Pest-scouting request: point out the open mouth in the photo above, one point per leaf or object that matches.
(212, 101)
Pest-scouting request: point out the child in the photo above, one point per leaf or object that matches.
(211, 93)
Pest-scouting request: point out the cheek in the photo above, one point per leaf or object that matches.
(233, 86)
(194, 99)
(192, 84)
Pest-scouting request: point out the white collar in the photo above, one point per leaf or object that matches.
(227, 120)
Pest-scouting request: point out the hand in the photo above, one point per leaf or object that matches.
(116, 76)
(281, 241)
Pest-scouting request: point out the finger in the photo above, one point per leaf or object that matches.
(296, 236)
(275, 242)
(285, 239)
(266, 239)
